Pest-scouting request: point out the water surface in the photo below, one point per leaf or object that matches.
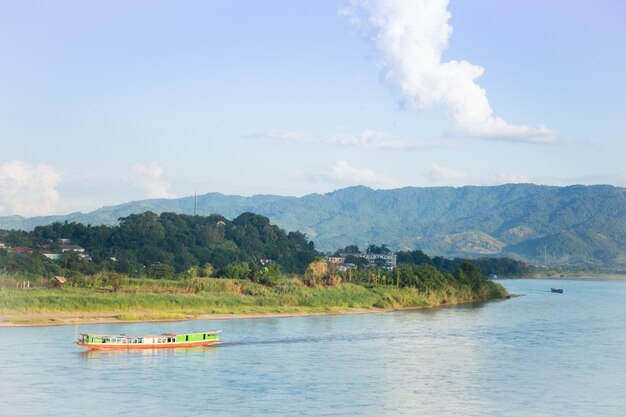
(540, 354)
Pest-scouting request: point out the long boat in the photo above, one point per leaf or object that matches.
(166, 340)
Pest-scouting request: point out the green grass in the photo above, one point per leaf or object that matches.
(159, 315)
(174, 300)
(26, 321)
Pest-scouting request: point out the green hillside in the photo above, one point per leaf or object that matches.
(542, 224)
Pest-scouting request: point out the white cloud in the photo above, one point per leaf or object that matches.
(411, 36)
(509, 178)
(439, 173)
(367, 139)
(348, 175)
(28, 190)
(150, 179)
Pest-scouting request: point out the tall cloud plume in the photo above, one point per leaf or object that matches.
(411, 36)
(28, 190)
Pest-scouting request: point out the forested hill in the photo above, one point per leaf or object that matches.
(170, 243)
(543, 224)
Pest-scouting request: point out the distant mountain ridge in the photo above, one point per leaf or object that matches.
(543, 224)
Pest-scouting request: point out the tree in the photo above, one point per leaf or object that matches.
(237, 270)
(127, 263)
(378, 250)
(320, 272)
(208, 270)
(349, 250)
(416, 257)
(161, 271)
(191, 273)
(469, 274)
(270, 272)
(316, 273)
(115, 280)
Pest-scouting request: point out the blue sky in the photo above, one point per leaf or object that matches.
(103, 102)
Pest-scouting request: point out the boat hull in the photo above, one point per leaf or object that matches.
(164, 341)
(129, 346)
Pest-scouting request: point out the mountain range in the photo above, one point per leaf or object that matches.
(542, 224)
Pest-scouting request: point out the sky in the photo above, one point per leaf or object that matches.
(105, 102)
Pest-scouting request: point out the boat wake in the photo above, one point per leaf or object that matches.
(322, 339)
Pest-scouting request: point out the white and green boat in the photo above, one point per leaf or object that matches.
(166, 340)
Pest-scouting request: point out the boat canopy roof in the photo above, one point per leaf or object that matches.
(149, 335)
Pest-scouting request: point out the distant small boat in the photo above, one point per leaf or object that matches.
(559, 290)
(166, 340)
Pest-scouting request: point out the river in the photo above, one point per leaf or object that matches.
(539, 354)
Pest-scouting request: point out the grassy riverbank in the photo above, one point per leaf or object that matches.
(146, 299)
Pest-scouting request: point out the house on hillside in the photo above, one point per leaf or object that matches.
(336, 259)
(22, 250)
(50, 254)
(3, 245)
(383, 260)
(74, 248)
(380, 260)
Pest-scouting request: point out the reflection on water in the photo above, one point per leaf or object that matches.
(542, 354)
(167, 352)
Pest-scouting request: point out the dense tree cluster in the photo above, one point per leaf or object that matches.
(161, 246)
(489, 266)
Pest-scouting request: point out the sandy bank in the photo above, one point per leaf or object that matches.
(102, 317)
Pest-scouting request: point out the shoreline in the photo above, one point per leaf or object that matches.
(109, 317)
(67, 318)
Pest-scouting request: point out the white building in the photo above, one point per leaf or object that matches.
(382, 260)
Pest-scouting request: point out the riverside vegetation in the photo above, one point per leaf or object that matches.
(176, 266)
